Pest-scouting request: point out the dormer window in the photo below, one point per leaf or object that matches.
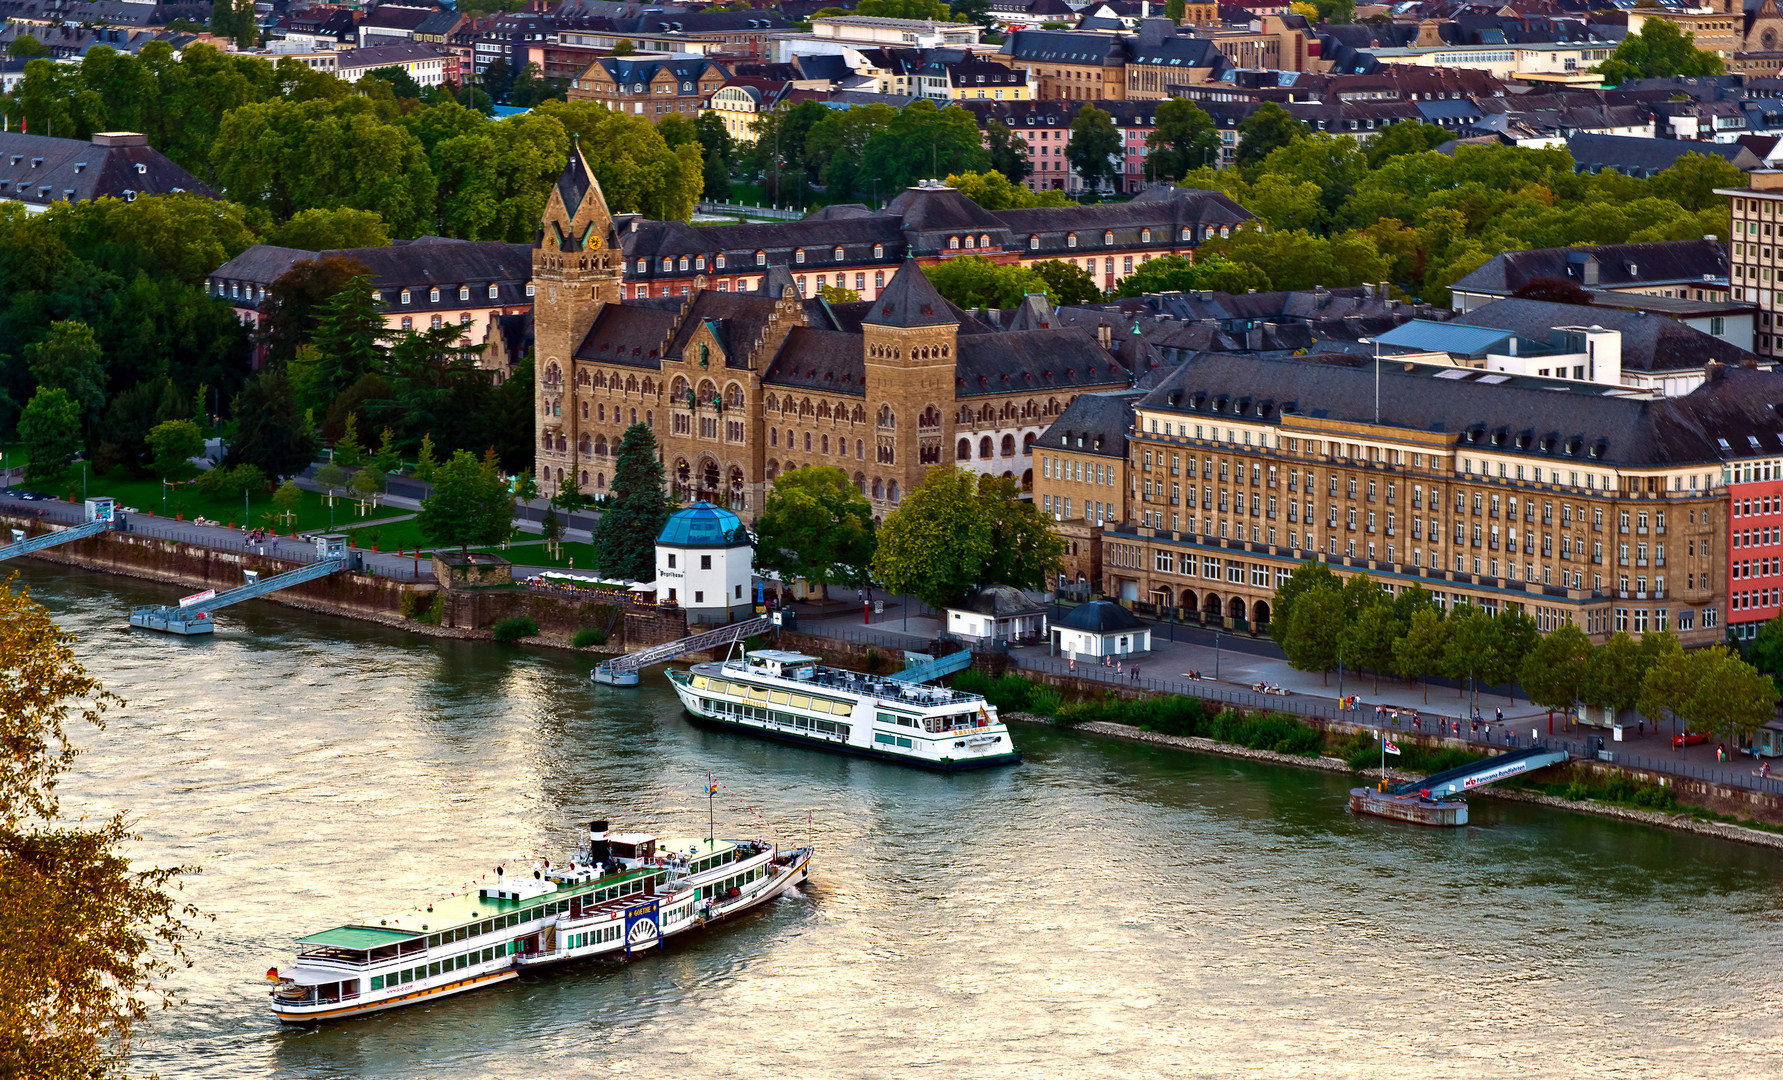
(683, 262)
(719, 261)
(1186, 235)
(494, 291)
(969, 243)
(838, 254)
(799, 255)
(1070, 240)
(1033, 243)
(1108, 239)
(141, 169)
(433, 295)
(668, 264)
(1145, 236)
(761, 258)
(405, 296)
(953, 243)
(464, 292)
(643, 266)
(699, 262)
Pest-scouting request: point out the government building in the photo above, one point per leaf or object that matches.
(719, 339)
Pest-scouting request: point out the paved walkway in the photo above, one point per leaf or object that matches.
(1242, 662)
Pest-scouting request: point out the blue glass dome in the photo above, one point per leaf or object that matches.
(703, 525)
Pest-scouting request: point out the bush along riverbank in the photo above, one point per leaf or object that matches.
(1188, 723)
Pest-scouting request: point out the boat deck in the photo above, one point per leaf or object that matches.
(889, 691)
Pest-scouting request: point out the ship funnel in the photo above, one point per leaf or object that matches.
(597, 842)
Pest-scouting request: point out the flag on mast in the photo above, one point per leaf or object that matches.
(1391, 748)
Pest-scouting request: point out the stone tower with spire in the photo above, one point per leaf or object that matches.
(911, 341)
(576, 270)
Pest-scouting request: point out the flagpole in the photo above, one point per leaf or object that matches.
(711, 827)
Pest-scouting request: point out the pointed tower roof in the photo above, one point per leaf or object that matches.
(776, 281)
(1034, 313)
(575, 180)
(910, 300)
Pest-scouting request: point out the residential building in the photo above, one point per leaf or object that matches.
(425, 64)
(741, 385)
(864, 31)
(390, 24)
(1754, 545)
(417, 284)
(650, 85)
(1070, 65)
(1643, 158)
(1080, 477)
(973, 79)
(741, 100)
(38, 171)
(1486, 489)
(1685, 269)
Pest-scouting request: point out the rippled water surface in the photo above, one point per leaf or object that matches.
(1103, 910)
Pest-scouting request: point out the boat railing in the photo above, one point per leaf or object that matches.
(331, 958)
(885, 690)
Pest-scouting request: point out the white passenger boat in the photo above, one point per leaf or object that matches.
(787, 696)
(623, 894)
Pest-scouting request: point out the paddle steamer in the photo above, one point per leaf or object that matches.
(623, 894)
(787, 696)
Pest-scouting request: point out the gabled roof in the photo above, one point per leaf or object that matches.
(1616, 265)
(909, 299)
(1093, 424)
(39, 170)
(1100, 617)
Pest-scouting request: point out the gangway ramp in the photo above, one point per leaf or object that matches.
(923, 668)
(1480, 773)
(193, 614)
(99, 518)
(623, 670)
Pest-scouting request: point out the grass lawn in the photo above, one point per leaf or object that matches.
(145, 495)
(395, 536)
(582, 556)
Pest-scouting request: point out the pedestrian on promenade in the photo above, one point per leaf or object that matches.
(1135, 673)
(1498, 714)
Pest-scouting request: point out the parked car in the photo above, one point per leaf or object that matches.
(1689, 738)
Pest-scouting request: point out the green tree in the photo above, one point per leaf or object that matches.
(287, 498)
(1026, 551)
(1067, 283)
(469, 505)
(1692, 179)
(1517, 637)
(322, 229)
(833, 147)
(931, 10)
(1174, 10)
(1658, 51)
(936, 543)
(89, 941)
(815, 526)
(387, 460)
(1613, 675)
(68, 358)
(1008, 153)
(1094, 148)
(1369, 640)
(639, 173)
(1553, 670)
(634, 514)
(426, 462)
(995, 191)
(1183, 138)
(234, 19)
(569, 497)
(1733, 699)
(1263, 132)
(1765, 650)
(289, 313)
(347, 449)
(175, 443)
(840, 294)
(1475, 652)
(1419, 654)
(1406, 137)
(717, 178)
(976, 282)
(1315, 629)
(332, 478)
(1175, 273)
(924, 140)
(401, 83)
(494, 179)
(348, 330)
(366, 485)
(1307, 577)
(26, 47)
(50, 430)
(270, 430)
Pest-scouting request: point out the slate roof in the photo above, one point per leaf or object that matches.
(1003, 601)
(1100, 617)
(575, 180)
(1563, 426)
(908, 299)
(38, 170)
(827, 360)
(1650, 343)
(1094, 424)
(391, 54)
(1640, 157)
(1033, 361)
(1617, 266)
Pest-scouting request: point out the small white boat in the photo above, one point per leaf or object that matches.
(623, 894)
(607, 675)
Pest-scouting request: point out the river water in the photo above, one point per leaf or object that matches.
(1103, 910)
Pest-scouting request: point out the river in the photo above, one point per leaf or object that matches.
(1102, 910)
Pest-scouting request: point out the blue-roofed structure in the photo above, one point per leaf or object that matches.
(1424, 335)
(703, 525)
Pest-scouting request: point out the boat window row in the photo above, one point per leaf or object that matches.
(891, 740)
(773, 697)
(736, 881)
(894, 720)
(605, 933)
(545, 911)
(438, 967)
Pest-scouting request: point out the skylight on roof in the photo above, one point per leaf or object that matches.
(1452, 373)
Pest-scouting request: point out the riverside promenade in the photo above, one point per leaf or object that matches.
(1243, 661)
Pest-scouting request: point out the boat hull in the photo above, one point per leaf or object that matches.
(344, 1012)
(607, 677)
(790, 738)
(1410, 808)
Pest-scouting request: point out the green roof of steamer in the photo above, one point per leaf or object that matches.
(358, 937)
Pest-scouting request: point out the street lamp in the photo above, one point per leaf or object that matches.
(1216, 656)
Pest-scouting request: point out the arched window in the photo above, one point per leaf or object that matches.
(585, 447)
(434, 322)
(985, 240)
(631, 384)
(984, 448)
(1071, 240)
(733, 396)
(878, 488)
(930, 418)
(1028, 443)
(807, 442)
(649, 386)
(678, 390)
(860, 449)
(600, 446)
(433, 295)
(970, 243)
(891, 491)
(826, 444)
(838, 254)
(600, 481)
(887, 418)
(1009, 446)
(585, 410)
(1033, 243)
(964, 453)
(799, 255)
(953, 243)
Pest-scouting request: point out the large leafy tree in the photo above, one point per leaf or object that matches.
(924, 140)
(1008, 153)
(123, 434)
(995, 191)
(975, 282)
(470, 504)
(834, 146)
(1419, 654)
(88, 941)
(817, 526)
(68, 358)
(493, 181)
(320, 229)
(1553, 671)
(1315, 629)
(1095, 148)
(1067, 283)
(936, 544)
(270, 430)
(1307, 577)
(1175, 273)
(1660, 51)
(175, 443)
(1025, 548)
(1369, 639)
(294, 300)
(1182, 138)
(639, 172)
(1613, 674)
(1263, 132)
(634, 514)
(50, 430)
